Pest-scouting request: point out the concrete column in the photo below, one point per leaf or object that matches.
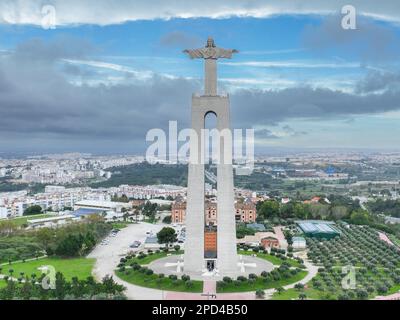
(210, 79)
(194, 244)
(226, 224)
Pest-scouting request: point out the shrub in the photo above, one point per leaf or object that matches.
(227, 279)
(185, 277)
(143, 269)
(382, 289)
(161, 275)
(264, 274)
(189, 284)
(136, 267)
(252, 276)
(173, 277)
(299, 286)
(361, 294)
(149, 272)
(293, 271)
(343, 296)
(237, 283)
(260, 294)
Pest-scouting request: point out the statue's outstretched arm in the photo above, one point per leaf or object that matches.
(195, 53)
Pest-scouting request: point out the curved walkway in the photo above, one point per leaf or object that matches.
(312, 271)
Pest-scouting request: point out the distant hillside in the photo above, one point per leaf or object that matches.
(145, 174)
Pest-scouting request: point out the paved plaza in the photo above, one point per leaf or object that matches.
(174, 264)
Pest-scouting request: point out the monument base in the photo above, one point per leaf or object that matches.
(246, 265)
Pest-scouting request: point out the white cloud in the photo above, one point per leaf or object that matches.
(139, 75)
(292, 64)
(104, 12)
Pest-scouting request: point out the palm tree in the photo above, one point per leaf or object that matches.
(137, 214)
(125, 216)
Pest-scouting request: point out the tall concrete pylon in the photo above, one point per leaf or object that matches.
(210, 102)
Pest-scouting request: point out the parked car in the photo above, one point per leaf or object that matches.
(135, 244)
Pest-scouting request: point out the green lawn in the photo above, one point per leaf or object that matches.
(273, 259)
(24, 220)
(153, 281)
(292, 294)
(260, 284)
(119, 225)
(150, 258)
(76, 267)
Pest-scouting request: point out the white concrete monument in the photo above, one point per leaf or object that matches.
(225, 259)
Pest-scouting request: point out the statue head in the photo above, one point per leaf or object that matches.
(210, 42)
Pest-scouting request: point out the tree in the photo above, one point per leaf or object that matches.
(33, 210)
(362, 294)
(125, 216)
(302, 296)
(280, 290)
(70, 246)
(299, 286)
(260, 294)
(7, 228)
(339, 212)
(300, 211)
(360, 217)
(167, 219)
(242, 230)
(166, 235)
(45, 237)
(269, 209)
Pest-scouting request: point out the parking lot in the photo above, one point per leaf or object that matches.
(109, 254)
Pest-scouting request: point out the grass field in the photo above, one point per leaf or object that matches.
(119, 225)
(153, 281)
(24, 220)
(293, 294)
(150, 258)
(76, 267)
(273, 259)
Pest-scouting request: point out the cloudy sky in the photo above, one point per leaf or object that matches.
(110, 71)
